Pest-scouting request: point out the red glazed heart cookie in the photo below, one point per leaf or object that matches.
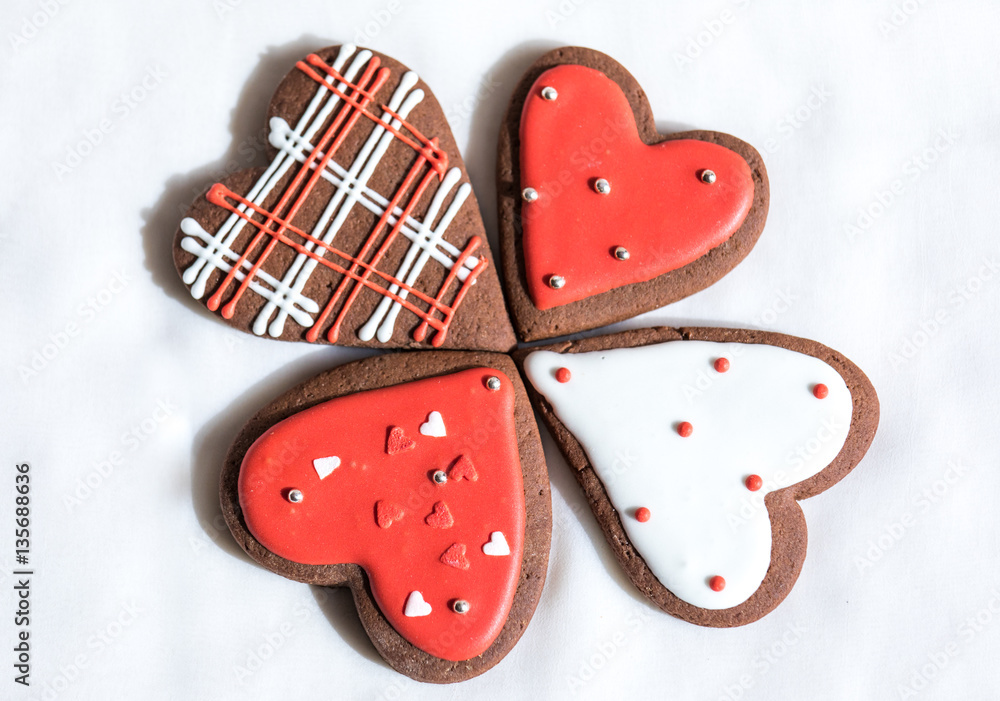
(362, 230)
(336, 479)
(601, 216)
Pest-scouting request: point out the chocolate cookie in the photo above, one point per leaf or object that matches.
(601, 216)
(693, 446)
(362, 231)
(415, 479)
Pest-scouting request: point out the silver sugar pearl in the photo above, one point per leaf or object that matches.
(602, 186)
(621, 253)
(708, 177)
(295, 496)
(493, 383)
(461, 606)
(549, 93)
(440, 476)
(529, 194)
(556, 282)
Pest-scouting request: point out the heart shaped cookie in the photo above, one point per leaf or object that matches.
(403, 528)
(693, 447)
(363, 230)
(601, 216)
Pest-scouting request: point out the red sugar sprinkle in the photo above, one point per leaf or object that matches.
(820, 391)
(642, 514)
(721, 364)
(685, 428)
(563, 375)
(754, 483)
(717, 583)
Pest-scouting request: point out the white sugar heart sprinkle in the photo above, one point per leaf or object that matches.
(434, 426)
(497, 547)
(416, 606)
(324, 466)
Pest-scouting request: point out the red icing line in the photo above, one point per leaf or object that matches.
(563, 375)
(717, 583)
(754, 483)
(428, 147)
(219, 195)
(685, 429)
(329, 143)
(658, 207)
(334, 330)
(821, 391)
(463, 469)
(276, 223)
(398, 442)
(386, 512)
(441, 517)
(421, 331)
(455, 557)
(642, 514)
(722, 364)
(334, 523)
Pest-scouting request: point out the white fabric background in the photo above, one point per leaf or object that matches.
(140, 594)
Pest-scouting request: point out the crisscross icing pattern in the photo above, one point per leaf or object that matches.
(345, 95)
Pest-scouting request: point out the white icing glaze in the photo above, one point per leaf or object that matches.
(324, 466)
(760, 417)
(497, 545)
(294, 146)
(416, 606)
(434, 426)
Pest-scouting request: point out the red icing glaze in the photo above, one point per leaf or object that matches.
(563, 375)
(398, 441)
(685, 429)
(821, 391)
(463, 469)
(658, 207)
(455, 557)
(386, 512)
(722, 364)
(334, 523)
(717, 583)
(754, 483)
(441, 517)
(642, 514)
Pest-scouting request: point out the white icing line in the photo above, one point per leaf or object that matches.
(201, 269)
(366, 161)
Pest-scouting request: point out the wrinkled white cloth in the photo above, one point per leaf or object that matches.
(879, 127)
